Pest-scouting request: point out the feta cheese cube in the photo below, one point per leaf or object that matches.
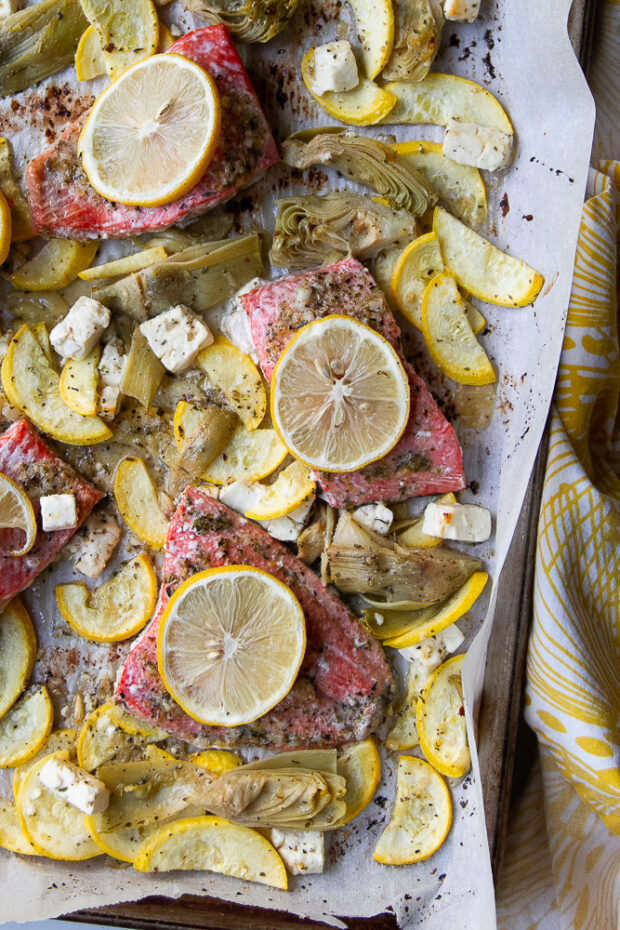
(376, 517)
(110, 368)
(302, 851)
(58, 512)
(335, 68)
(101, 537)
(236, 325)
(461, 11)
(428, 655)
(469, 144)
(78, 334)
(8, 7)
(465, 522)
(75, 786)
(241, 495)
(176, 337)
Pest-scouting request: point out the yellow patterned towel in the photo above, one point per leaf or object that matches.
(567, 876)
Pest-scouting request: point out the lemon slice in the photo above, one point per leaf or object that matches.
(25, 728)
(449, 336)
(136, 499)
(16, 513)
(249, 456)
(56, 265)
(217, 760)
(292, 488)
(230, 644)
(481, 268)
(79, 382)
(340, 395)
(238, 378)
(374, 22)
(460, 187)
(215, 845)
(32, 385)
(442, 97)
(440, 720)
(421, 816)
(11, 834)
(55, 828)
(18, 648)
(115, 610)
(414, 538)
(151, 134)
(454, 608)
(365, 105)
(361, 766)
(6, 227)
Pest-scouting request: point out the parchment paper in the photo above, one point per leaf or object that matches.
(522, 53)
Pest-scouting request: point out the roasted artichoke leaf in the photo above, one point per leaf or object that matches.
(309, 229)
(38, 41)
(199, 277)
(248, 20)
(365, 161)
(211, 226)
(417, 36)
(319, 760)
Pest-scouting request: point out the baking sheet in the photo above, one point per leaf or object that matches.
(524, 56)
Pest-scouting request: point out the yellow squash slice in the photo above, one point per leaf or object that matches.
(481, 268)
(25, 728)
(417, 265)
(21, 221)
(57, 264)
(217, 761)
(136, 499)
(79, 382)
(126, 265)
(112, 735)
(249, 456)
(124, 843)
(460, 187)
(440, 720)
(230, 644)
(361, 766)
(365, 105)
(89, 60)
(454, 608)
(56, 741)
(32, 385)
(6, 228)
(18, 648)
(238, 378)
(126, 34)
(212, 844)
(292, 488)
(421, 816)
(11, 834)
(339, 395)
(414, 537)
(55, 829)
(404, 734)
(16, 513)
(374, 21)
(449, 336)
(115, 610)
(442, 97)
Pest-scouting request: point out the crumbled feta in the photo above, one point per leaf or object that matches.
(289, 527)
(110, 368)
(75, 786)
(469, 144)
(78, 334)
(176, 337)
(302, 851)
(376, 517)
(58, 512)
(461, 11)
(335, 68)
(243, 496)
(8, 7)
(466, 522)
(102, 535)
(428, 655)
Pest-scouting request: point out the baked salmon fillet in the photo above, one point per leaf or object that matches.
(427, 459)
(345, 681)
(64, 205)
(38, 471)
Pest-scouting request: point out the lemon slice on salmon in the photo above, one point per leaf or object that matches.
(230, 644)
(440, 720)
(17, 513)
(340, 395)
(449, 336)
(421, 816)
(151, 134)
(481, 268)
(365, 105)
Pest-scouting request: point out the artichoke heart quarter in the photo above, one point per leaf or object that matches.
(248, 20)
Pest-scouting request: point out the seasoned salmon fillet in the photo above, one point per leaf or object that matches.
(64, 204)
(38, 471)
(344, 682)
(427, 459)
